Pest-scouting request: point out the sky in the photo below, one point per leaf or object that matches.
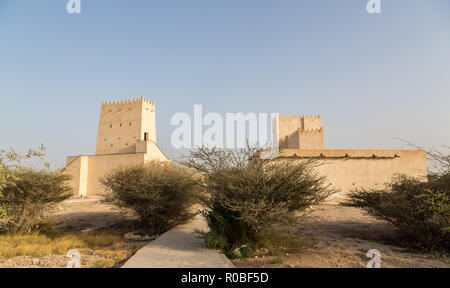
(372, 77)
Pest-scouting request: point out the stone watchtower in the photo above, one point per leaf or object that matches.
(300, 132)
(126, 137)
(125, 126)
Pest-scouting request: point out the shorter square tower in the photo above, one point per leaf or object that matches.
(300, 132)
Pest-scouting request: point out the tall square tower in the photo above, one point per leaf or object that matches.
(124, 124)
(126, 137)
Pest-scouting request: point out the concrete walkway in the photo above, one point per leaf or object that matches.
(84, 199)
(180, 247)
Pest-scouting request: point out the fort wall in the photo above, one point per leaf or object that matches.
(347, 170)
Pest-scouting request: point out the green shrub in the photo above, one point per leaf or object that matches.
(244, 198)
(228, 232)
(11, 161)
(29, 195)
(419, 210)
(160, 193)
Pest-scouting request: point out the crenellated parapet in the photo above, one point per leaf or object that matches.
(301, 132)
(301, 116)
(128, 101)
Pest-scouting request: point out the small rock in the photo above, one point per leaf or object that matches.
(35, 261)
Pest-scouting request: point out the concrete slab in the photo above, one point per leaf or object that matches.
(180, 247)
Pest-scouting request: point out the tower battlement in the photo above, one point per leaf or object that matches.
(311, 116)
(304, 122)
(128, 101)
(300, 132)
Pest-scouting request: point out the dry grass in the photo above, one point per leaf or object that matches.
(101, 264)
(102, 246)
(12, 245)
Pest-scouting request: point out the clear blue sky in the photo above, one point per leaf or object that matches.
(372, 77)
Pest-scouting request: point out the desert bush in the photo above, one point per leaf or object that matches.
(160, 193)
(29, 194)
(420, 210)
(246, 195)
(10, 161)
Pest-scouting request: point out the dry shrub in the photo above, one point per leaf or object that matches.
(160, 193)
(419, 210)
(245, 198)
(29, 195)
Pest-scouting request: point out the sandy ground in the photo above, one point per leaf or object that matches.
(331, 236)
(90, 214)
(336, 236)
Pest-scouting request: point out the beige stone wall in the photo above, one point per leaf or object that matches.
(311, 139)
(86, 171)
(148, 123)
(152, 151)
(78, 168)
(73, 169)
(100, 165)
(347, 170)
